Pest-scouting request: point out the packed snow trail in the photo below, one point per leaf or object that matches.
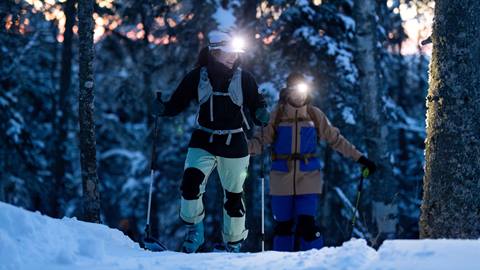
(32, 241)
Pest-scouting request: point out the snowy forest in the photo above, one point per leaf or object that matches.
(77, 119)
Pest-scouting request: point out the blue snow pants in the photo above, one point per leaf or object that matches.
(295, 223)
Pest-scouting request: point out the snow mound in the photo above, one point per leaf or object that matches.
(33, 241)
(30, 239)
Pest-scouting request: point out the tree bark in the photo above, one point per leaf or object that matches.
(91, 196)
(384, 210)
(451, 201)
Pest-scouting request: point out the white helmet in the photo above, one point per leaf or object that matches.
(218, 40)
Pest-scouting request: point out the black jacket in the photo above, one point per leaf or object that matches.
(226, 114)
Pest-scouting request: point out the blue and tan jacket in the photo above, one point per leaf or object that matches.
(294, 136)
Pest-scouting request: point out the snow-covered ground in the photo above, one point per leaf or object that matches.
(32, 241)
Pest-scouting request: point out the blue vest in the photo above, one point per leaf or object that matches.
(307, 145)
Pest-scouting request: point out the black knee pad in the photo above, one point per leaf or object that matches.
(307, 229)
(234, 204)
(192, 179)
(284, 228)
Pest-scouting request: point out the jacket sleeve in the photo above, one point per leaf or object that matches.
(332, 135)
(252, 98)
(255, 143)
(184, 94)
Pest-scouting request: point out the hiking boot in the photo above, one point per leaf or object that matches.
(194, 238)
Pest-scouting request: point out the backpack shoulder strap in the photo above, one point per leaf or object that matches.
(204, 87)
(235, 87)
(314, 117)
(276, 120)
(235, 91)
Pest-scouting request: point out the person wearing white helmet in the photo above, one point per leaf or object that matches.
(227, 98)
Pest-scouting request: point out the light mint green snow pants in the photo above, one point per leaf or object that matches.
(232, 173)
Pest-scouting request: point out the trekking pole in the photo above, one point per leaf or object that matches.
(364, 174)
(262, 176)
(152, 176)
(149, 242)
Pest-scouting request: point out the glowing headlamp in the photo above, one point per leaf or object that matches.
(302, 88)
(238, 44)
(218, 40)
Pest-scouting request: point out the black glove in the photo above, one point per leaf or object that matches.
(158, 107)
(262, 116)
(367, 163)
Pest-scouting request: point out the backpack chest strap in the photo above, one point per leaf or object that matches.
(227, 94)
(294, 156)
(215, 93)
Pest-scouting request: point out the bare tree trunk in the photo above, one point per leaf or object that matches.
(91, 195)
(62, 112)
(451, 201)
(384, 211)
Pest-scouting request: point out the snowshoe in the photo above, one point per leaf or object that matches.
(153, 244)
(228, 247)
(194, 238)
(150, 243)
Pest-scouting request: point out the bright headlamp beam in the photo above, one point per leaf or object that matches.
(238, 43)
(302, 88)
